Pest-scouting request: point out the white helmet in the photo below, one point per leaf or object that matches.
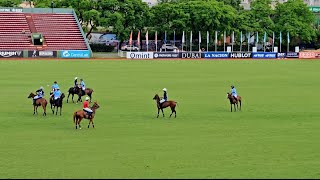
(87, 98)
(164, 89)
(75, 78)
(41, 87)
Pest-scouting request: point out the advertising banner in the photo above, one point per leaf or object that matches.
(292, 55)
(39, 54)
(281, 55)
(216, 55)
(75, 54)
(165, 55)
(10, 54)
(264, 55)
(190, 55)
(308, 55)
(241, 55)
(139, 55)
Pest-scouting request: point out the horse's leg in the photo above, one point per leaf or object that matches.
(57, 110)
(90, 97)
(158, 112)
(72, 98)
(68, 96)
(162, 112)
(240, 104)
(231, 107)
(51, 108)
(235, 108)
(89, 123)
(37, 109)
(92, 123)
(60, 110)
(172, 110)
(80, 118)
(34, 110)
(45, 109)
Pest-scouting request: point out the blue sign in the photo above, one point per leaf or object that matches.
(75, 54)
(292, 55)
(264, 55)
(216, 55)
(281, 55)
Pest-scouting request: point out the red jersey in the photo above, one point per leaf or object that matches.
(85, 104)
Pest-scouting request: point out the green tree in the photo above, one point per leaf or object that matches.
(9, 3)
(295, 17)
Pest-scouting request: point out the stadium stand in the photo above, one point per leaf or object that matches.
(60, 31)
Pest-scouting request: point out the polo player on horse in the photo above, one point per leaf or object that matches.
(40, 94)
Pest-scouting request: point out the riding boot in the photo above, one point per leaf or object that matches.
(34, 102)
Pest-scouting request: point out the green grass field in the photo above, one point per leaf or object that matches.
(274, 136)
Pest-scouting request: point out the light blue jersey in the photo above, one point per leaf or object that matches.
(57, 94)
(234, 91)
(55, 86)
(83, 85)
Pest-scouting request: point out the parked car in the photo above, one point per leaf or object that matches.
(129, 48)
(168, 47)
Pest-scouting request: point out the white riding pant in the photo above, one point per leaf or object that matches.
(88, 110)
(162, 100)
(36, 97)
(83, 88)
(236, 96)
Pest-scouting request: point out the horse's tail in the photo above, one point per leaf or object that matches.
(74, 117)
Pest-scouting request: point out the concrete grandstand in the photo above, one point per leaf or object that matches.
(41, 29)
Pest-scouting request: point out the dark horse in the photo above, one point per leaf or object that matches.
(234, 101)
(162, 106)
(39, 102)
(87, 91)
(73, 91)
(57, 103)
(80, 114)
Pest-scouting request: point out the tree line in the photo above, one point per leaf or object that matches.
(124, 16)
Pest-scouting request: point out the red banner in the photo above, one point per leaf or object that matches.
(308, 55)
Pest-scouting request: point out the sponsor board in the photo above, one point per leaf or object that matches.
(281, 55)
(75, 54)
(240, 55)
(10, 54)
(139, 55)
(35, 54)
(190, 55)
(165, 55)
(264, 55)
(11, 10)
(216, 55)
(292, 55)
(309, 55)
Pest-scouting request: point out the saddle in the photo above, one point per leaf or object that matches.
(35, 100)
(88, 114)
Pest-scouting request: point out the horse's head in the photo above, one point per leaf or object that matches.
(229, 95)
(95, 105)
(31, 95)
(156, 97)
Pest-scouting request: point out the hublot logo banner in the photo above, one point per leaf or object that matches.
(240, 55)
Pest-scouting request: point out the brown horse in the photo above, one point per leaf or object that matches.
(87, 91)
(39, 102)
(80, 114)
(234, 101)
(162, 106)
